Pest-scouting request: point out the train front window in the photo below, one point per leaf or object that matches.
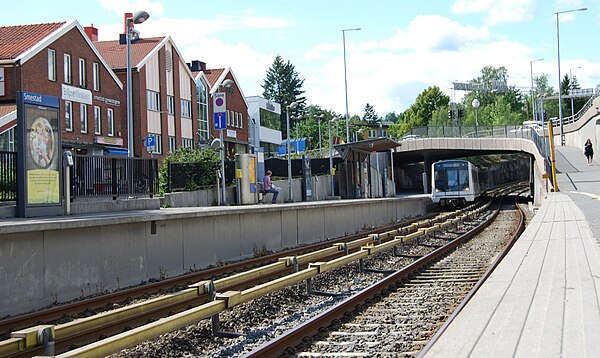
(451, 179)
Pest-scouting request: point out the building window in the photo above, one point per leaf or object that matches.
(228, 115)
(172, 144)
(153, 99)
(158, 141)
(187, 143)
(96, 75)
(111, 122)
(83, 117)
(51, 64)
(82, 78)
(202, 101)
(372, 133)
(67, 66)
(7, 140)
(170, 105)
(97, 123)
(186, 108)
(241, 121)
(68, 116)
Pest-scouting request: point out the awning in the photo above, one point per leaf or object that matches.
(116, 151)
(366, 146)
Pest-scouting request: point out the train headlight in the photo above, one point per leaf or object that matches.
(467, 189)
(437, 190)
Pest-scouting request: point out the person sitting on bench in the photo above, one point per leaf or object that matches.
(268, 186)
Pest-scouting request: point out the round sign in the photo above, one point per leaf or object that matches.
(219, 102)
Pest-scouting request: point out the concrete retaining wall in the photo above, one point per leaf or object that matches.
(44, 261)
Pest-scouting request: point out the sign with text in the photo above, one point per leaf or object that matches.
(220, 110)
(220, 120)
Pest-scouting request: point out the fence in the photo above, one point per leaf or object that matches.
(8, 176)
(112, 176)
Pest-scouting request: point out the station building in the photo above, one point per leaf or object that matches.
(265, 129)
(58, 59)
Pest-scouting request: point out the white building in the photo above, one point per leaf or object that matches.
(264, 124)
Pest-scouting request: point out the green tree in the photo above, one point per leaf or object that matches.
(370, 116)
(544, 90)
(421, 112)
(282, 85)
(391, 117)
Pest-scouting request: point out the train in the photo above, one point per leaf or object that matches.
(456, 182)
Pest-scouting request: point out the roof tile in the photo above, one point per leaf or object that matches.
(115, 54)
(14, 40)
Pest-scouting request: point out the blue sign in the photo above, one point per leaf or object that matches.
(150, 141)
(220, 120)
(40, 99)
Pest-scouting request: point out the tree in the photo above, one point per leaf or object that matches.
(370, 115)
(282, 85)
(421, 112)
(392, 117)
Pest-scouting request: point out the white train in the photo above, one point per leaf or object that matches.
(455, 182)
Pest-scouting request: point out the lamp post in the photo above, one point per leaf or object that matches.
(560, 111)
(292, 106)
(346, 82)
(333, 120)
(571, 94)
(227, 84)
(532, 92)
(475, 103)
(297, 117)
(319, 117)
(137, 18)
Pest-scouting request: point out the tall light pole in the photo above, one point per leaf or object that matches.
(137, 18)
(333, 120)
(533, 99)
(346, 82)
(319, 117)
(297, 117)
(560, 111)
(571, 94)
(227, 84)
(292, 106)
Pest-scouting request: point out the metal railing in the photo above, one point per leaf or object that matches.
(113, 176)
(585, 108)
(8, 176)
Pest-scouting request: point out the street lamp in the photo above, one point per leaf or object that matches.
(346, 82)
(137, 18)
(560, 111)
(297, 117)
(292, 106)
(333, 120)
(318, 117)
(532, 92)
(228, 85)
(571, 94)
(475, 103)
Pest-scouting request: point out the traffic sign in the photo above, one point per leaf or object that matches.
(219, 102)
(150, 143)
(220, 120)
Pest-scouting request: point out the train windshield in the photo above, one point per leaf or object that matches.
(451, 177)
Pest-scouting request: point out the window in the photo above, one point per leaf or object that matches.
(158, 141)
(228, 115)
(187, 143)
(97, 123)
(153, 99)
(170, 105)
(202, 101)
(68, 116)
(51, 64)
(83, 117)
(241, 121)
(111, 122)
(372, 133)
(96, 75)
(82, 78)
(172, 143)
(7, 140)
(186, 108)
(67, 72)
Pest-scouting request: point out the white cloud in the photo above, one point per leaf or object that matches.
(122, 6)
(498, 12)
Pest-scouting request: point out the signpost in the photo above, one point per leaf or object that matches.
(220, 123)
(150, 143)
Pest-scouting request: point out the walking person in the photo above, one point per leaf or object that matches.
(268, 186)
(589, 151)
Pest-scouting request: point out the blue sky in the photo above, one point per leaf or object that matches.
(402, 48)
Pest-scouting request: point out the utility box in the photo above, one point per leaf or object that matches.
(307, 187)
(245, 169)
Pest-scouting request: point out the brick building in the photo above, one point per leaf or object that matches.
(164, 92)
(58, 59)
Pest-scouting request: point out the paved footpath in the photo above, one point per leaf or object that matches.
(543, 300)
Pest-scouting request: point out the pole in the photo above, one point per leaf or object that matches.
(129, 91)
(297, 138)
(392, 163)
(532, 99)
(223, 192)
(571, 94)
(331, 160)
(345, 89)
(319, 124)
(560, 111)
(289, 158)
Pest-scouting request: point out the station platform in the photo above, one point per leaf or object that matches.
(543, 300)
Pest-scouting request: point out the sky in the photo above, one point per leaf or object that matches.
(401, 49)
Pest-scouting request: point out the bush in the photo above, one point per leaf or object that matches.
(207, 163)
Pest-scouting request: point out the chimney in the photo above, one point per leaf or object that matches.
(91, 32)
(197, 66)
(125, 17)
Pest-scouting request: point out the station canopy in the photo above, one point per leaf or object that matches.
(366, 147)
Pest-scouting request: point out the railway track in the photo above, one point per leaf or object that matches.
(213, 297)
(399, 315)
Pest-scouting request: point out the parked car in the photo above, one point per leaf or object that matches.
(529, 126)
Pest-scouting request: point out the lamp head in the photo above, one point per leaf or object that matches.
(140, 17)
(334, 119)
(293, 105)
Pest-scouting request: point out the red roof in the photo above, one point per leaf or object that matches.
(14, 40)
(213, 75)
(6, 108)
(115, 54)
